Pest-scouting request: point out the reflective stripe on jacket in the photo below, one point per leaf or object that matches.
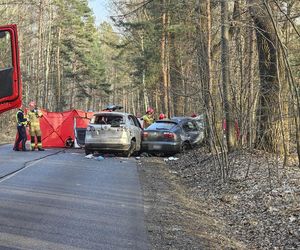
(33, 117)
(21, 120)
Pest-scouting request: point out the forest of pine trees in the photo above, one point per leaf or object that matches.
(236, 61)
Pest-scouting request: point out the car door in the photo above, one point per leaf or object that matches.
(191, 130)
(136, 130)
(10, 77)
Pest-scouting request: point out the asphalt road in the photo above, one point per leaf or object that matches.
(60, 200)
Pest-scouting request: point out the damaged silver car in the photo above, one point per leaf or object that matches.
(113, 132)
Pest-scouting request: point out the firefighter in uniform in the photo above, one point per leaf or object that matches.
(34, 126)
(21, 127)
(148, 117)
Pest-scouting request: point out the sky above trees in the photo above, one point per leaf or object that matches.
(100, 9)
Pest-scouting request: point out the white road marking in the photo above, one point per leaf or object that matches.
(29, 165)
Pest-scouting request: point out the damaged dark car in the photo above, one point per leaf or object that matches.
(171, 136)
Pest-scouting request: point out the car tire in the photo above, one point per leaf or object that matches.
(87, 151)
(131, 149)
(137, 153)
(184, 147)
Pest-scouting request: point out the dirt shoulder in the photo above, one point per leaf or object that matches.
(189, 207)
(174, 219)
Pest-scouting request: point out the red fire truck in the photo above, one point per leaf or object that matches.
(10, 75)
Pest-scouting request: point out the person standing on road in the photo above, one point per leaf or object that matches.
(21, 127)
(148, 117)
(34, 116)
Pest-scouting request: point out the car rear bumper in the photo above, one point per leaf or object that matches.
(163, 147)
(107, 146)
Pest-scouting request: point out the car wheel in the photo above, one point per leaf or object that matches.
(137, 153)
(184, 147)
(131, 149)
(87, 151)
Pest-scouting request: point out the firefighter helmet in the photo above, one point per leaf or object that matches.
(150, 110)
(161, 116)
(32, 104)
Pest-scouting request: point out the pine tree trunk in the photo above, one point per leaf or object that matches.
(208, 86)
(47, 65)
(249, 78)
(268, 137)
(145, 93)
(39, 46)
(164, 65)
(230, 137)
(58, 83)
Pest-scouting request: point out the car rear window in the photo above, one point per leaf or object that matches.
(113, 120)
(161, 126)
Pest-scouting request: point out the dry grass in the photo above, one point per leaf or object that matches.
(175, 220)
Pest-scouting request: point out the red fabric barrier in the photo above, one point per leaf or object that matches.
(56, 127)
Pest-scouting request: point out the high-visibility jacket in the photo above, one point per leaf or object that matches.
(20, 118)
(148, 120)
